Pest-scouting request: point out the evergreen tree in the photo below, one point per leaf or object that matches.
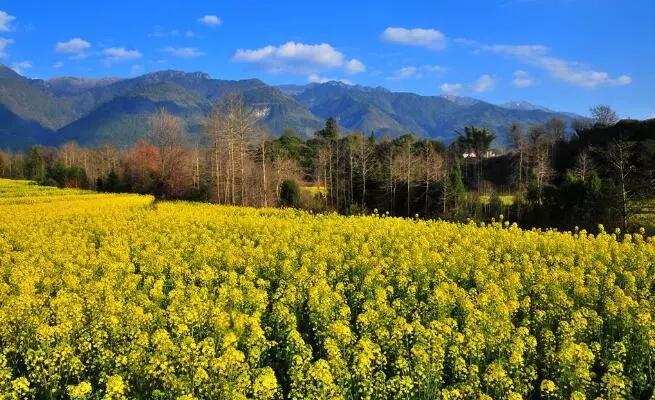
(35, 165)
(289, 194)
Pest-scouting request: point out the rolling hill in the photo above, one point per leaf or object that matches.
(115, 111)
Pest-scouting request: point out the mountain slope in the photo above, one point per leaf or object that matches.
(32, 103)
(382, 111)
(123, 119)
(19, 133)
(115, 111)
(71, 86)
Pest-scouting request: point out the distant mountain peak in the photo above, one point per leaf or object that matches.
(173, 74)
(8, 73)
(291, 89)
(524, 105)
(461, 100)
(115, 111)
(81, 80)
(81, 83)
(336, 83)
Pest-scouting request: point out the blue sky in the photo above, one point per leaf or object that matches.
(564, 54)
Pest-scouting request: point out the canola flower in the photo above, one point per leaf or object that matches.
(110, 297)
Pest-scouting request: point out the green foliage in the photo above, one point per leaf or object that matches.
(331, 130)
(35, 165)
(110, 183)
(290, 145)
(477, 140)
(64, 176)
(289, 193)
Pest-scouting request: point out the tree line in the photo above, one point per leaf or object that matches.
(598, 171)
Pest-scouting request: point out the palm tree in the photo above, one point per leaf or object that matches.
(478, 141)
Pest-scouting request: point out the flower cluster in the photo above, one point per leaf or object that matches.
(110, 297)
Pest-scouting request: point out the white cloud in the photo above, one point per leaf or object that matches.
(417, 71)
(485, 83)
(298, 58)
(58, 65)
(294, 55)
(20, 67)
(136, 69)
(451, 88)
(355, 66)
(119, 54)
(5, 21)
(73, 46)
(4, 43)
(210, 20)
(79, 56)
(522, 79)
(315, 78)
(158, 32)
(434, 68)
(185, 52)
(405, 72)
(567, 71)
(430, 38)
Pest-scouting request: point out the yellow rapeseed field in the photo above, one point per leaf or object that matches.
(117, 297)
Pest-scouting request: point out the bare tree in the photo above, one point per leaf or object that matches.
(329, 139)
(322, 170)
(231, 127)
(387, 156)
(364, 155)
(603, 115)
(404, 164)
(351, 142)
(432, 168)
(70, 153)
(5, 164)
(584, 164)
(109, 157)
(195, 166)
(262, 139)
(519, 142)
(540, 144)
(168, 134)
(619, 154)
(284, 168)
(555, 129)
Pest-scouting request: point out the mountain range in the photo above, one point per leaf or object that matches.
(115, 111)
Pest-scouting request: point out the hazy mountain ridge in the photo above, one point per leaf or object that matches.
(383, 111)
(115, 111)
(523, 105)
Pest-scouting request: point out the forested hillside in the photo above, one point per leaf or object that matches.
(113, 111)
